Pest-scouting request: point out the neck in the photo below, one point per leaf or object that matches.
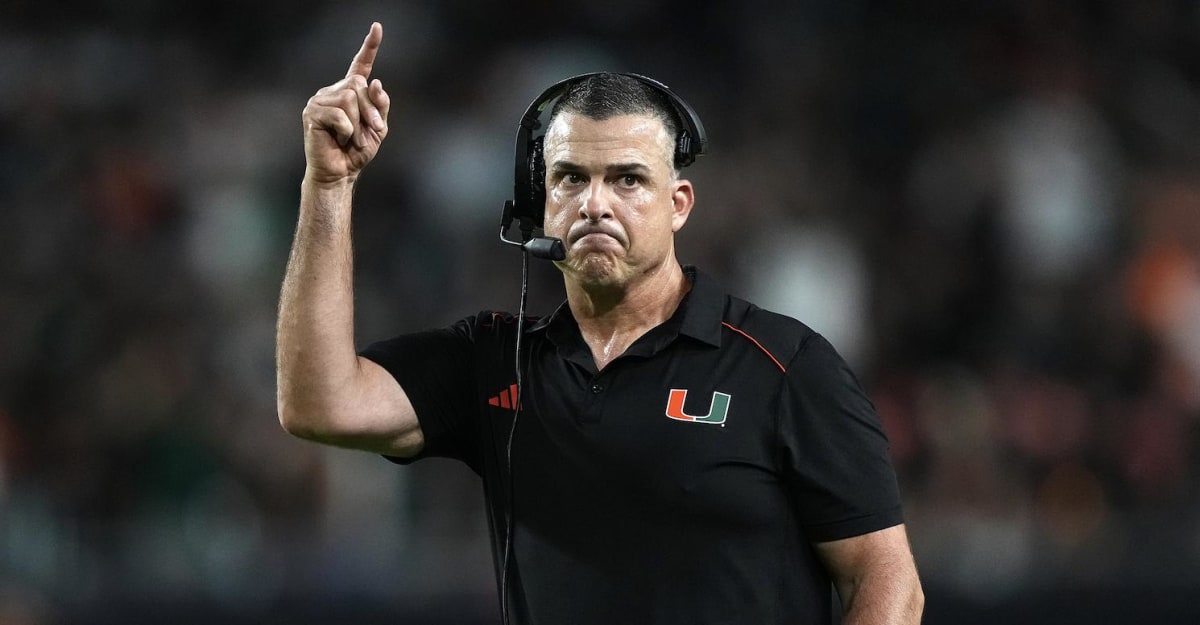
(611, 318)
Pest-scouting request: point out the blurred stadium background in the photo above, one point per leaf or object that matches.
(992, 208)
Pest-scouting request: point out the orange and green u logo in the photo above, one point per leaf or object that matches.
(717, 410)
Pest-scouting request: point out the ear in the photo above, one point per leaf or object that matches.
(682, 198)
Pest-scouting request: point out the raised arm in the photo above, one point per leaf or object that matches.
(326, 392)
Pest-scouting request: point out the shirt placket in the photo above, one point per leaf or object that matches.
(597, 391)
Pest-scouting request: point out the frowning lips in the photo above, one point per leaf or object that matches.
(584, 228)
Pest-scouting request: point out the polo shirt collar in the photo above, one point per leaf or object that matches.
(703, 308)
(698, 316)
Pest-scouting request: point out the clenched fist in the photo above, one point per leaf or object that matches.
(345, 123)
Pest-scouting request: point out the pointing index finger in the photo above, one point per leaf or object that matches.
(361, 65)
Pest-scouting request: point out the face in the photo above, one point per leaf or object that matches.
(612, 196)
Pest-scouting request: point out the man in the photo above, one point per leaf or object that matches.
(612, 497)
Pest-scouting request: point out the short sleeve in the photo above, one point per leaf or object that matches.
(437, 370)
(835, 454)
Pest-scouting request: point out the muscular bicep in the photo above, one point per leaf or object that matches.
(873, 572)
(364, 409)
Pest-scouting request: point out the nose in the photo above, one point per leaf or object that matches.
(596, 204)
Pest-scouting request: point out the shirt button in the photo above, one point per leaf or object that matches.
(597, 389)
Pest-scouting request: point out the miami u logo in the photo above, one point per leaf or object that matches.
(717, 410)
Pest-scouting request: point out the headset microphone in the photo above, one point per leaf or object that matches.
(548, 248)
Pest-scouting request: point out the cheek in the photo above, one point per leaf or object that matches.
(648, 223)
(555, 213)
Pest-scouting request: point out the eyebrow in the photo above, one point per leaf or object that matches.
(623, 168)
(615, 168)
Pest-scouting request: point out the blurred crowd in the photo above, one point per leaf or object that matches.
(992, 209)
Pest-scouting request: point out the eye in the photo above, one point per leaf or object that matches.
(629, 180)
(573, 179)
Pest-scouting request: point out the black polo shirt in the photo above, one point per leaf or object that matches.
(684, 483)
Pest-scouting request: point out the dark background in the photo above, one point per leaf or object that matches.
(992, 208)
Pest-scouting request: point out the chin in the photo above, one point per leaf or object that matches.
(595, 270)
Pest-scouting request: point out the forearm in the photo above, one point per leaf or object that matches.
(315, 352)
(885, 596)
(876, 577)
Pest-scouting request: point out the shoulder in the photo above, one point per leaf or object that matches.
(488, 323)
(486, 328)
(780, 336)
(492, 319)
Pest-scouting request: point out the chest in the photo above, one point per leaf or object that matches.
(687, 433)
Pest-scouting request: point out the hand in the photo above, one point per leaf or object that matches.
(345, 123)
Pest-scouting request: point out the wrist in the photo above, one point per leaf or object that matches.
(317, 181)
(326, 203)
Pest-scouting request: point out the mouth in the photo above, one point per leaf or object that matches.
(596, 243)
(593, 236)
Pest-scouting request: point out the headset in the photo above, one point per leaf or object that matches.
(528, 206)
(529, 172)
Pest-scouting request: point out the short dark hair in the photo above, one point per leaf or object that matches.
(606, 95)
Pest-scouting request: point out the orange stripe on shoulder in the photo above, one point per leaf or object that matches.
(758, 345)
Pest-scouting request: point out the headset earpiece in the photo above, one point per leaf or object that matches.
(683, 149)
(537, 173)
